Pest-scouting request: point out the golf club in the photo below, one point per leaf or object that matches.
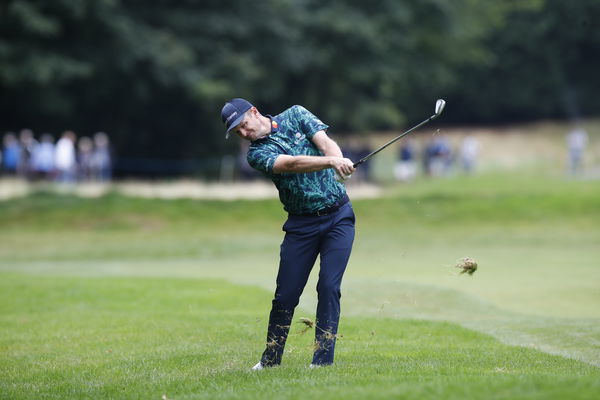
(439, 107)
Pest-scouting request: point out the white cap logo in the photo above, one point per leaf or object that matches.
(231, 116)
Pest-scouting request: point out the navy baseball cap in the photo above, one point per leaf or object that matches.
(233, 113)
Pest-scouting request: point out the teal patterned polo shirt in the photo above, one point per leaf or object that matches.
(291, 134)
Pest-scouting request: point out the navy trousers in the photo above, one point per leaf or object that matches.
(330, 236)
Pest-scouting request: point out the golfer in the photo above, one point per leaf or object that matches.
(294, 151)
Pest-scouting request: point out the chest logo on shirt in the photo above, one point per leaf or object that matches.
(299, 137)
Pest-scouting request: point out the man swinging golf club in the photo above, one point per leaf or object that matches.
(294, 151)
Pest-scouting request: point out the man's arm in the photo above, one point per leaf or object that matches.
(332, 158)
(326, 145)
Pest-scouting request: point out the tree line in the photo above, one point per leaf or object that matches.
(154, 75)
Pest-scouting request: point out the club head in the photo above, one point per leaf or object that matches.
(439, 106)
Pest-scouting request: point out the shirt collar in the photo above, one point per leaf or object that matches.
(274, 124)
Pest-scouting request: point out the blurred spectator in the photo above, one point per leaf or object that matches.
(364, 172)
(438, 156)
(406, 168)
(28, 144)
(350, 150)
(11, 153)
(469, 150)
(42, 157)
(245, 171)
(355, 149)
(85, 154)
(101, 162)
(65, 157)
(577, 140)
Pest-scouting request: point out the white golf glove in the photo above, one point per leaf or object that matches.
(341, 178)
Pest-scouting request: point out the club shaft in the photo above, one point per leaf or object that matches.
(365, 158)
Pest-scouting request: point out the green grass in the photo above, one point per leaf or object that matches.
(142, 338)
(119, 297)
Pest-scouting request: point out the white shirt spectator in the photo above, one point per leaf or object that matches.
(469, 149)
(65, 154)
(577, 139)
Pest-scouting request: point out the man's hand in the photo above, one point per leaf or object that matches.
(344, 167)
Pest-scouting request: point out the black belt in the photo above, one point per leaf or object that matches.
(329, 210)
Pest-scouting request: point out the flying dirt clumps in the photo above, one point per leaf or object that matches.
(308, 324)
(467, 265)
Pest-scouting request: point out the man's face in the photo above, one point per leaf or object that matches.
(250, 127)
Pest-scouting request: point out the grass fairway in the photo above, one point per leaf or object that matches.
(134, 298)
(131, 338)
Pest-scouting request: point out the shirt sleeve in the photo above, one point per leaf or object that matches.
(309, 123)
(263, 158)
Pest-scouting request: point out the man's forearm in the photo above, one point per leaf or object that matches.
(299, 164)
(332, 158)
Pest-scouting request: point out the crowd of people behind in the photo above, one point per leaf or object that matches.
(67, 160)
(437, 157)
(85, 159)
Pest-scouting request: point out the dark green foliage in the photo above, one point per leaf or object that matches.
(154, 75)
(543, 64)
